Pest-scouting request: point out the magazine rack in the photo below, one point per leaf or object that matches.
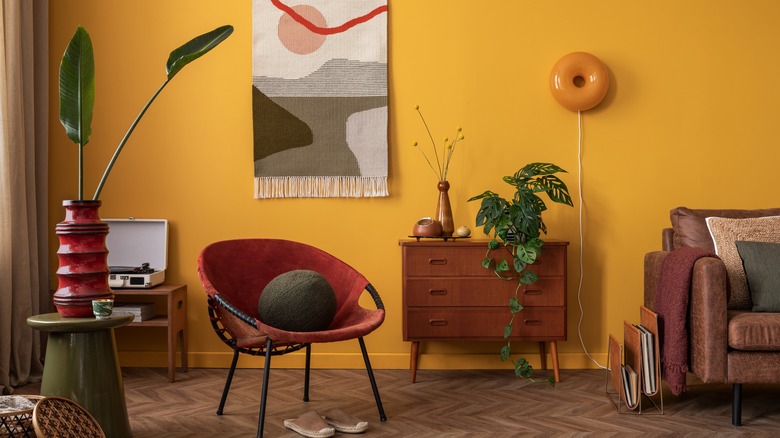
(632, 366)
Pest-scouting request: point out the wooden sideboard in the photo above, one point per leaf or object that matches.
(449, 296)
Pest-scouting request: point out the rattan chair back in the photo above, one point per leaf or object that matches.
(59, 417)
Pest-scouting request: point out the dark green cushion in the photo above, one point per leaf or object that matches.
(298, 301)
(762, 267)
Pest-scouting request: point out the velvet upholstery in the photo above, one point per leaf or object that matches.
(240, 269)
(725, 346)
(234, 274)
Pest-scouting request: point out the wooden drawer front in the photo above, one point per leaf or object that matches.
(482, 292)
(427, 261)
(485, 323)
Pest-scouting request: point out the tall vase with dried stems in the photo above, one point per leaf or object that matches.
(443, 208)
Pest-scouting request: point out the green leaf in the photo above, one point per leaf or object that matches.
(514, 306)
(77, 87)
(493, 244)
(523, 368)
(178, 59)
(557, 190)
(195, 48)
(507, 331)
(528, 277)
(519, 264)
(485, 194)
(502, 266)
(505, 352)
(486, 262)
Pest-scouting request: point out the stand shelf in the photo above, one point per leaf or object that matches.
(175, 320)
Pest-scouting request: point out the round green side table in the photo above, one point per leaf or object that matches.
(82, 364)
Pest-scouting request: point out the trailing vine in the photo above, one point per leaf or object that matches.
(517, 226)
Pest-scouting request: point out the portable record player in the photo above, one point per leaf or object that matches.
(137, 252)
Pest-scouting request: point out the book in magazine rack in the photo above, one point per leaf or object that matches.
(633, 368)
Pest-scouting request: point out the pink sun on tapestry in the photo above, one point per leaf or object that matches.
(319, 98)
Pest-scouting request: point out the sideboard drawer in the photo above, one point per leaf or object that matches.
(441, 261)
(482, 292)
(486, 323)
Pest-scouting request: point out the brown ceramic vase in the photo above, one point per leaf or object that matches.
(444, 210)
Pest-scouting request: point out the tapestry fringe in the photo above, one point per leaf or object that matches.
(320, 186)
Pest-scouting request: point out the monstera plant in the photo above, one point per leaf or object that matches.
(516, 225)
(77, 90)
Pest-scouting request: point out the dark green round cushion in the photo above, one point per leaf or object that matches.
(298, 301)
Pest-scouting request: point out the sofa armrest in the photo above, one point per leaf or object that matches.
(708, 319)
(653, 263)
(708, 323)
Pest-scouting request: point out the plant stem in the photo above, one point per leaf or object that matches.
(124, 140)
(450, 151)
(433, 142)
(81, 172)
(429, 163)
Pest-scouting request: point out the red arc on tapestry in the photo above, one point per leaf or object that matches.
(327, 30)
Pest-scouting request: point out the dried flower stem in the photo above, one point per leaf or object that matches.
(429, 161)
(442, 163)
(435, 151)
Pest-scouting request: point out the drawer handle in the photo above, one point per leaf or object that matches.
(438, 322)
(532, 322)
(437, 261)
(437, 291)
(533, 291)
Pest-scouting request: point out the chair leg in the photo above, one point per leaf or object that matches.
(382, 416)
(264, 395)
(307, 373)
(228, 381)
(736, 407)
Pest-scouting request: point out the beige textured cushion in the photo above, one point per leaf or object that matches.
(725, 232)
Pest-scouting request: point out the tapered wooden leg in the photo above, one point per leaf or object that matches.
(554, 354)
(413, 360)
(543, 355)
(183, 343)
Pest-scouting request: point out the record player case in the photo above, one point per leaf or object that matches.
(137, 252)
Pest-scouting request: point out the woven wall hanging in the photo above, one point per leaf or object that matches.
(319, 98)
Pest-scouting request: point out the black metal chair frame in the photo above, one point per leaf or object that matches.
(277, 349)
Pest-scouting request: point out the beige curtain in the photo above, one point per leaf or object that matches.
(23, 166)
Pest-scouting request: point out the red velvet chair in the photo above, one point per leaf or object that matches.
(234, 274)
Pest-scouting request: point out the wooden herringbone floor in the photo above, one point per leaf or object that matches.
(441, 404)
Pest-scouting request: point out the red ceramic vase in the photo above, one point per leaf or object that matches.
(83, 260)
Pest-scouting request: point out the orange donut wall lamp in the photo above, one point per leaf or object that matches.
(579, 81)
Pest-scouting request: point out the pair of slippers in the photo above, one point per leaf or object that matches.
(312, 425)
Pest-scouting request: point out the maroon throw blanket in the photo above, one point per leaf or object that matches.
(671, 305)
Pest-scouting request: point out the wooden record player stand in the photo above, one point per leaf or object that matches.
(175, 320)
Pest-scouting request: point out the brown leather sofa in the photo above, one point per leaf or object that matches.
(726, 346)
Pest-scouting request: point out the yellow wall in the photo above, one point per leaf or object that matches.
(690, 119)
